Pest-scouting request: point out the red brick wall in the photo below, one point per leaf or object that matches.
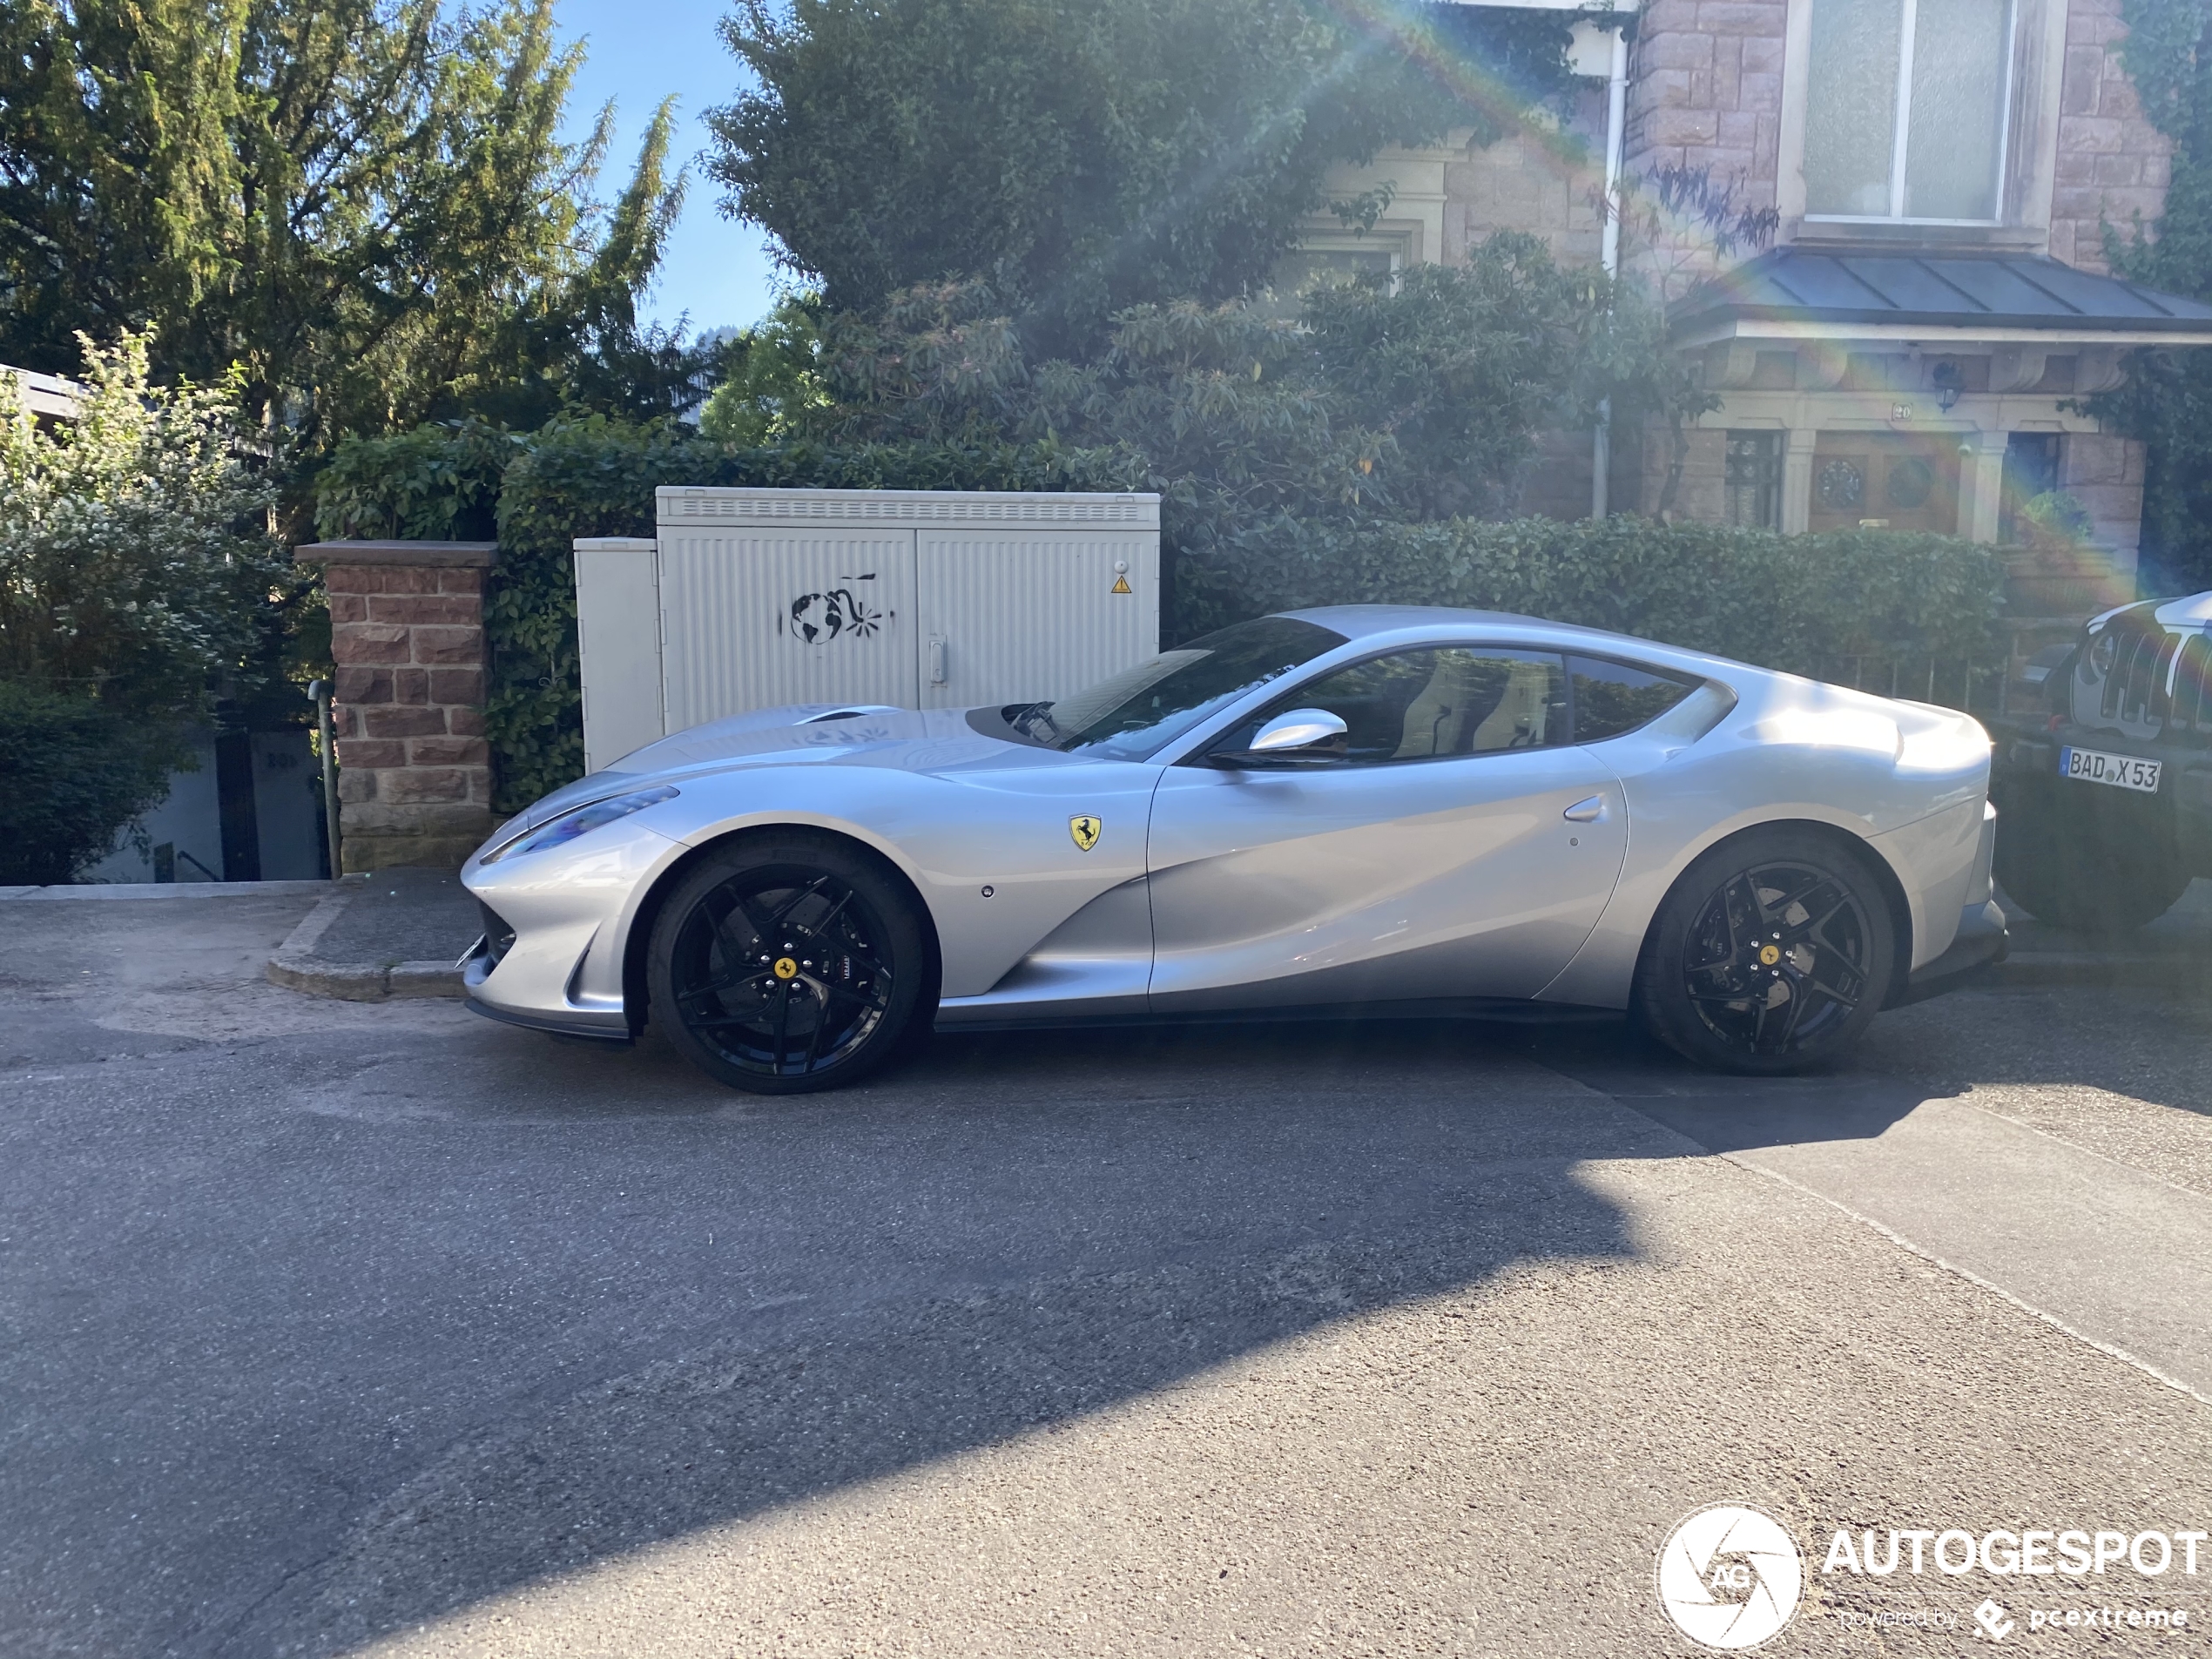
(414, 784)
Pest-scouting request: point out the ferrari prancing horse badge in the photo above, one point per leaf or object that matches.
(1085, 829)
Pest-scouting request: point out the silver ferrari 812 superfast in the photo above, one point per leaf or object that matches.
(1380, 808)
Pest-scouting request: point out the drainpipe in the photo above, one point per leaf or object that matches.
(320, 690)
(1616, 101)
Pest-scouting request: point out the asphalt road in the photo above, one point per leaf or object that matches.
(376, 1328)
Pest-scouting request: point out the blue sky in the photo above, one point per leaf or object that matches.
(637, 53)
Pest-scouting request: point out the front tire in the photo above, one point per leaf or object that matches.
(788, 965)
(1770, 954)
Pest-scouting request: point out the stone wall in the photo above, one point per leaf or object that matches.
(1704, 91)
(2105, 474)
(1534, 180)
(407, 639)
(2112, 164)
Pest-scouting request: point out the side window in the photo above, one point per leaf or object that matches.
(1426, 705)
(1612, 697)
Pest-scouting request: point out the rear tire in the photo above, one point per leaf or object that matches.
(2074, 871)
(1770, 954)
(789, 964)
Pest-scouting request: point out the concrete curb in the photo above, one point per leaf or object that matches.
(180, 889)
(296, 967)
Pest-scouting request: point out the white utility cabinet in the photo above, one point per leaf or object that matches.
(753, 599)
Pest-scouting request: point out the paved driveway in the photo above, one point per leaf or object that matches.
(336, 1328)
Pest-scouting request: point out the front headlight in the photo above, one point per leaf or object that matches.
(580, 820)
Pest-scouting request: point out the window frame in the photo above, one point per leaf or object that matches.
(1901, 126)
(2029, 175)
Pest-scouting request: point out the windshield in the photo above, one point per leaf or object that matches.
(1137, 711)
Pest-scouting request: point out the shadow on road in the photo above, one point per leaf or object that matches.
(416, 1323)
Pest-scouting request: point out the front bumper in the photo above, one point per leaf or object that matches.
(476, 967)
(1982, 939)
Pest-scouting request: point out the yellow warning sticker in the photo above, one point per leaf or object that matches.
(1121, 586)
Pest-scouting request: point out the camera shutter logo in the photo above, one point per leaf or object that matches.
(1729, 1576)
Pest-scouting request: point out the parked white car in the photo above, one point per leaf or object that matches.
(1447, 810)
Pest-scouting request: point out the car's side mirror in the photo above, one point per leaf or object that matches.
(1291, 739)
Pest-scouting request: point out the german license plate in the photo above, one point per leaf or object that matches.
(2121, 772)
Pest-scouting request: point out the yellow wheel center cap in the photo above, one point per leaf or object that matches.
(1769, 956)
(786, 969)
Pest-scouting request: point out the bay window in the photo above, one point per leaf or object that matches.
(1906, 110)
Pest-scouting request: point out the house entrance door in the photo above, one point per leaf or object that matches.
(1899, 480)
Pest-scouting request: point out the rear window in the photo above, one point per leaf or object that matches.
(1611, 699)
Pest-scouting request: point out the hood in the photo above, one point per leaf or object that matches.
(798, 734)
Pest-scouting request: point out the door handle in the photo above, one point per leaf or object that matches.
(1586, 811)
(937, 662)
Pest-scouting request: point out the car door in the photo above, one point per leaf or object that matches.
(1458, 847)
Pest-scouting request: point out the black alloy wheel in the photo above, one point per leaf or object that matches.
(1771, 955)
(788, 966)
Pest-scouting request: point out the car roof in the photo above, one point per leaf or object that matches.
(1359, 622)
(2195, 612)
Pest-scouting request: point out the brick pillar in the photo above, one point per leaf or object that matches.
(407, 636)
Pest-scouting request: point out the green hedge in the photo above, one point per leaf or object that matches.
(1800, 602)
(1806, 604)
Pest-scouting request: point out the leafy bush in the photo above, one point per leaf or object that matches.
(2055, 518)
(1799, 602)
(135, 574)
(436, 483)
(72, 773)
(132, 567)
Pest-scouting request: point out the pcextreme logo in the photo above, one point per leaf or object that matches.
(1730, 1577)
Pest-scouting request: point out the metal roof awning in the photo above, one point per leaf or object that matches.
(1938, 300)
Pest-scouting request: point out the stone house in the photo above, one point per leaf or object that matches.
(1897, 343)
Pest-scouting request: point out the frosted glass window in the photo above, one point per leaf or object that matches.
(1850, 106)
(1906, 108)
(1960, 51)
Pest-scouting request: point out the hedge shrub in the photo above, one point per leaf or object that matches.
(1800, 602)
(74, 772)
